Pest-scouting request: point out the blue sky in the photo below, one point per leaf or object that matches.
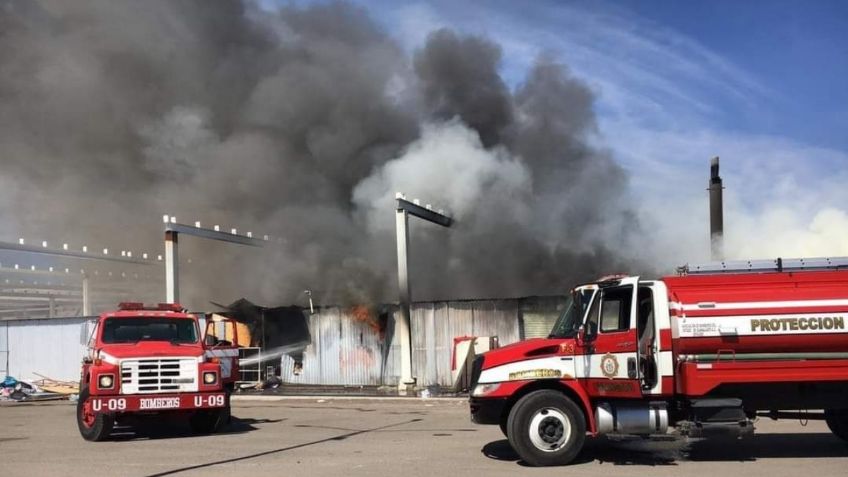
(776, 67)
(798, 50)
(762, 84)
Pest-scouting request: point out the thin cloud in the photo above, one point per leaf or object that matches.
(626, 57)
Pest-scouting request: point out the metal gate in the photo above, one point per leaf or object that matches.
(250, 365)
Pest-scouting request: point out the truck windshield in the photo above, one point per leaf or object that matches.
(570, 320)
(132, 330)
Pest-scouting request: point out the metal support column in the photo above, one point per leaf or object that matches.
(402, 226)
(172, 279)
(86, 296)
(402, 212)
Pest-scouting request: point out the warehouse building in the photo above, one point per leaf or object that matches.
(347, 346)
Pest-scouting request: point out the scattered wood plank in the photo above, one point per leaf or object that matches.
(64, 388)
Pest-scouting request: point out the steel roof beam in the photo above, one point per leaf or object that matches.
(213, 234)
(173, 229)
(429, 215)
(16, 247)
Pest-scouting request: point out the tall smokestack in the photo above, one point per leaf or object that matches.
(716, 212)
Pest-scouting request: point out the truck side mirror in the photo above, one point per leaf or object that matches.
(591, 330)
(86, 332)
(587, 332)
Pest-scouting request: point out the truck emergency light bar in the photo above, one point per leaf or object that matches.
(776, 265)
(138, 306)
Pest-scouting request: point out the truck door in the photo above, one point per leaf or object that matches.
(646, 332)
(610, 342)
(221, 340)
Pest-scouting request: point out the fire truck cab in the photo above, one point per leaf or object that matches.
(705, 352)
(152, 361)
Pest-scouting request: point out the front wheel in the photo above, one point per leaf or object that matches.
(837, 422)
(546, 428)
(92, 426)
(207, 421)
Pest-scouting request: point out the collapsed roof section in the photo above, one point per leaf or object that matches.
(278, 328)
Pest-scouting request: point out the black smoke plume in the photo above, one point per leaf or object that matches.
(300, 123)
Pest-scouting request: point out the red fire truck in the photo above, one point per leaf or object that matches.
(152, 361)
(706, 352)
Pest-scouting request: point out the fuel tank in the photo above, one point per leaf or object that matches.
(778, 315)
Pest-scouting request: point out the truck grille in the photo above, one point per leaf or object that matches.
(158, 375)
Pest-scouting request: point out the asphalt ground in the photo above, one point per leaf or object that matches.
(409, 437)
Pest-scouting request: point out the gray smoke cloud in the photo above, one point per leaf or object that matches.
(300, 123)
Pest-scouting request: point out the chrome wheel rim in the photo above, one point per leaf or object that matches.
(549, 429)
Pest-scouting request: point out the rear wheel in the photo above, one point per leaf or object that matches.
(837, 421)
(546, 428)
(92, 426)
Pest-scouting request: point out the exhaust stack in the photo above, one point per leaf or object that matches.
(716, 212)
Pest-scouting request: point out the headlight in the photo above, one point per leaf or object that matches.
(484, 389)
(105, 381)
(210, 377)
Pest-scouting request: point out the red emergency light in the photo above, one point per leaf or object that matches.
(138, 306)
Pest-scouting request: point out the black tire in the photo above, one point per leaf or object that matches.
(546, 428)
(207, 421)
(92, 427)
(837, 421)
(502, 425)
(227, 418)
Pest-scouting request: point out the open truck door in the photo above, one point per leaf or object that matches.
(609, 341)
(221, 340)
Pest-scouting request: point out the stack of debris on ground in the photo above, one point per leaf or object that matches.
(44, 389)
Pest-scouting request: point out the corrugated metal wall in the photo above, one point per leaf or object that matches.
(436, 324)
(345, 351)
(50, 347)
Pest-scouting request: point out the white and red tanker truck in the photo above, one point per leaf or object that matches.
(705, 352)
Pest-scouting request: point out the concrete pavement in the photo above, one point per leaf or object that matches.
(332, 436)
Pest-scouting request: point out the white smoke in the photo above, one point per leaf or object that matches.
(784, 232)
(449, 168)
(781, 198)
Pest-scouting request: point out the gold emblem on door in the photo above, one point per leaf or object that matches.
(609, 365)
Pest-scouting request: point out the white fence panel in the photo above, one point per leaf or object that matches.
(48, 347)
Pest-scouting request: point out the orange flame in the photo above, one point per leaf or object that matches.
(365, 314)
